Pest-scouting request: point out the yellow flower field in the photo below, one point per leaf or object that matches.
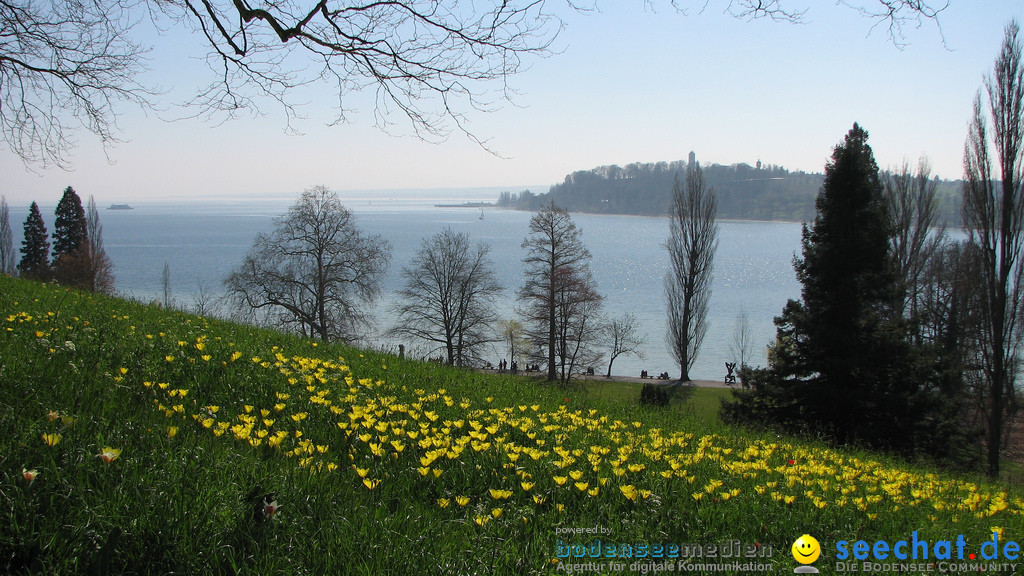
(171, 437)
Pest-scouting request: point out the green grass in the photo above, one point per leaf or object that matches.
(697, 402)
(386, 466)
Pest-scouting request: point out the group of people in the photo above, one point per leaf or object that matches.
(503, 367)
(645, 375)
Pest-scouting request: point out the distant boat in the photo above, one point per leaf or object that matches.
(481, 213)
(120, 207)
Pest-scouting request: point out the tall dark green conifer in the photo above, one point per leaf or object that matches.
(71, 242)
(841, 363)
(69, 229)
(35, 248)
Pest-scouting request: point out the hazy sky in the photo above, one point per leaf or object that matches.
(628, 85)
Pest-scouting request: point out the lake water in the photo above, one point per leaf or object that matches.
(202, 242)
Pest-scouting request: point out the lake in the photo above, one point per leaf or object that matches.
(201, 242)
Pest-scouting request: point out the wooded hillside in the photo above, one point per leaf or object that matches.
(747, 192)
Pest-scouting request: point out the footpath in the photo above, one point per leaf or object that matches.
(632, 379)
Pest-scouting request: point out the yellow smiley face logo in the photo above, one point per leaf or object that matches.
(806, 549)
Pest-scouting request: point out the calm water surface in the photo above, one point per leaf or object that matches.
(201, 243)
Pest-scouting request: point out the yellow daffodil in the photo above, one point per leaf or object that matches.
(51, 439)
(629, 491)
(109, 454)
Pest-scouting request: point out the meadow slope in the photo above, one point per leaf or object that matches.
(136, 440)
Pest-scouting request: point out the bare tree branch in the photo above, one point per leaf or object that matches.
(64, 65)
(69, 64)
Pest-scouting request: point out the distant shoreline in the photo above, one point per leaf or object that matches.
(467, 205)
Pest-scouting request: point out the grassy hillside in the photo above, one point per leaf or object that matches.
(137, 440)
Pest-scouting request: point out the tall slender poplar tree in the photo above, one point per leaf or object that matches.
(993, 215)
(693, 240)
(7, 257)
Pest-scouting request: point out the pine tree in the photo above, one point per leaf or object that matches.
(35, 248)
(841, 363)
(848, 278)
(71, 242)
(69, 229)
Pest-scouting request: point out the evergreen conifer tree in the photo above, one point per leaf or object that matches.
(35, 248)
(70, 241)
(841, 363)
(69, 229)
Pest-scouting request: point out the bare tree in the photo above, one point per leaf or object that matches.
(449, 296)
(693, 240)
(315, 269)
(165, 284)
(555, 260)
(993, 214)
(70, 63)
(913, 214)
(204, 302)
(623, 337)
(8, 256)
(99, 272)
(577, 319)
(742, 346)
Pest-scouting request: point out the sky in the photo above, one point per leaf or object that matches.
(630, 82)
